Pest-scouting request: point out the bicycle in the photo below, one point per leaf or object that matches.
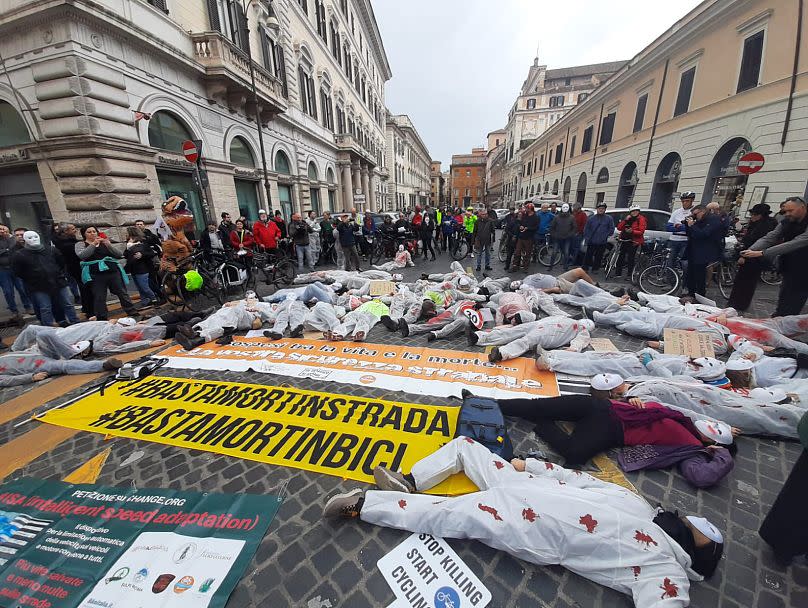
(660, 279)
(458, 246)
(174, 284)
(549, 255)
(723, 273)
(504, 243)
(276, 267)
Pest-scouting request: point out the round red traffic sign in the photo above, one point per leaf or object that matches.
(751, 162)
(190, 151)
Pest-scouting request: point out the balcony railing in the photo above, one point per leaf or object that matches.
(227, 71)
(349, 143)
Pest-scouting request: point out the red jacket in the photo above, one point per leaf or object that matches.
(243, 238)
(580, 221)
(266, 235)
(637, 229)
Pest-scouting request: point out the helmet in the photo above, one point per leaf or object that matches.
(688, 194)
(193, 280)
(634, 208)
(469, 208)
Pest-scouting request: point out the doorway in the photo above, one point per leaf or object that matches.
(627, 186)
(182, 184)
(666, 182)
(247, 196)
(725, 184)
(22, 201)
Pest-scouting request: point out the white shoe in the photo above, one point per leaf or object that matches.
(472, 256)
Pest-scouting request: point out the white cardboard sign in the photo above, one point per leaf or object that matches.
(425, 572)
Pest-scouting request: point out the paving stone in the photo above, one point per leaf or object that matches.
(766, 599)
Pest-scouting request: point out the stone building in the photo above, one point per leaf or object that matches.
(409, 162)
(100, 95)
(436, 196)
(468, 178)
(728, 78)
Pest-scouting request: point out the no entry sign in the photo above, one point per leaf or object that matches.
(751, 162)
(190, 151)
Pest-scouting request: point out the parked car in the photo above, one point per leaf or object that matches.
(656, 219)
(501, 213)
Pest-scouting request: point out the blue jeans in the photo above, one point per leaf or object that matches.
(564, 246)
(575, 248)
(8, 282)
(303, 250)
(486, 252)
(47, 302)
(143, 288)
(677, 251)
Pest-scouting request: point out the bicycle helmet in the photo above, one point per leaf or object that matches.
(635, 208)
(193, 281)
(689, 194)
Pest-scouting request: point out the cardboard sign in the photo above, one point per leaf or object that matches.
(85, 546)
(421, 371)
(690, 343)
(337, 435)
(382, 288)
(425, 571)
(603, 345)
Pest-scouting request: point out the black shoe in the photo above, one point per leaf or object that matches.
(389, 323)
(207, 312)
(186, 330)
(430, 337)
(488, 268)
(471, 336)
(633, 294)
(225, 340)
(424, 277)
(403, 328)
(483, 291)
(494, 356)
(189, 343)
(466, 393)
(272, 335)
(297, 332)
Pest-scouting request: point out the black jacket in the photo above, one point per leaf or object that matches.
(705, 240)
(299, 231)
(67, 247)
(40, 269)
(143, 265)
(530, 224)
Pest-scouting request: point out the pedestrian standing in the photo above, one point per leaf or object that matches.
(580, 223)
(563, 229)
(64, 239)
(314, 237)
(469, 219)
(705, 242)
(789, 241)
(749, 269)
(677, 242)
(299, 231)
(632, 231)
(278, 219)
(326, 236)
(101, 268)
(8, 281)
(211, 242)
(225, 228)
(427, 234)
(510, 232)
(266, 232)
(528, 225)
(483, 238)
(599, 229)
(42, 270)
(140, 260)
(347, 241)
(242, 240)
(153, 241)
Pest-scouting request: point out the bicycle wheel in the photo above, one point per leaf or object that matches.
(549, 256)
(659, 280)
(611, 263)
(172, 289)
(460, 250)
(284, 272)
(771, 277)
(641, 264)
(726, 278)
(502, 252)
(378, 252)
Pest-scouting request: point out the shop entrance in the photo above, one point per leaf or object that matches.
(182, 184)
(247, 196)
(22, 201)
(666, 181)
(725, 184)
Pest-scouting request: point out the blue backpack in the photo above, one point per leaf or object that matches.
(481, 419)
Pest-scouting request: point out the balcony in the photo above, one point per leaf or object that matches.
(348, 143)
(227, 77)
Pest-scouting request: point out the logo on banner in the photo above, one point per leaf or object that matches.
(141, 575)
(119, 575)
(185, 583)
(186, 551)
(162, 583)
(473, 315)
(447, 597)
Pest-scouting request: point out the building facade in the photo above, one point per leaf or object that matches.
(409, 162)
(727, 79)
(437, 194)
(545, 97)
(104, 93)
(468, 179)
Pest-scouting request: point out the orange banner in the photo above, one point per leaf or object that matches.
(420, 371)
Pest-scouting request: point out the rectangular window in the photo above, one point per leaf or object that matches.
(639, 116)
(750, 63)
(304, 5)
(559, 152)
(280, 67)
(685, 91)
(586, 143)
(541, 162)
(607, 128)
(572, 146)
(531, 104)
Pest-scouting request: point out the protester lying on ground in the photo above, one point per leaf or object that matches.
(249, 313)
(403, 259)
(686, 305)
(767, 370)
(546, 515)
(289, 314)
(323, 317)
(313, 292)
(407, 307)
(490, 286)
(455, 276)
(591, 298)
(511, 308)
(447, 324)
(111, 337)
(651, 325)
(777, 332)
(511, 341)
(756, 413)
(550, 284)
(341, 276)
(537, 299)
(48, 357)
(357, 323)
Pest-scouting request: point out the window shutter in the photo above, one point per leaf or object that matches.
(242, 28)
(213, 16)
(266, 50)
(301, 85)
(161, 4)
(313, 98)
(280, 68)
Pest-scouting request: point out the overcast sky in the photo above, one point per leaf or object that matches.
(459, 64)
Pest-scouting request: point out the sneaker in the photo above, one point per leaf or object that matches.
(112, 364)
(472, 256)
(431, 337)
(297, 332)
(272, 335)
(471, 335)
(494, 356)
(389, 323)
(391, 481)
(348, 504)
(403, 328)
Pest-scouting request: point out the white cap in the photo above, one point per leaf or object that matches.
(635, 208)
(126, 321)
(768, 395)
(515, 285)
(260, 211)
(250, 295)
(398, 277)
(709, 368)
(739, 365)
(720, 432)
(464, 282)
(605, 382)
(705, 527)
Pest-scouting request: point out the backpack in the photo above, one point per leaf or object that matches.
(481, 419)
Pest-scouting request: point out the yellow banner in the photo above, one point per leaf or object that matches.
(339, 435)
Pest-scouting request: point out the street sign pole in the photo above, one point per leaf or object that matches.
(201, 180)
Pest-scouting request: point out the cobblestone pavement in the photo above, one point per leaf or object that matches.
(305, 561)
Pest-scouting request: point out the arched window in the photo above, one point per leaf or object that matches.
(326, 103)
(167, 132)
(282, 163)
(329, 176)
(335, 42)
(555, 187)
(313, 171)
(12, 128)
(308, 93)
(580, 190)
(240, 153)
(546, 187)
(603, 176)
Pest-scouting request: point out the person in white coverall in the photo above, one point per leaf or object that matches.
(357, 323)
(323, 317)
(403, 259)
(592, 298)
(778, 331)
(768, 371)
(289, 314)
(313, 291)
(513, 341)
(544, 514)
(341, 276)
(233, 316)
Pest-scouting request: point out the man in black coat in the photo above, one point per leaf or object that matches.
(705, 243)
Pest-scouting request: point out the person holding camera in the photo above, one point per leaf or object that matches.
(632, 230)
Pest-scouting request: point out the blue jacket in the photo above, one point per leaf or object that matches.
(705, 240)
(346, 234)
(545, 217)
(598, 229)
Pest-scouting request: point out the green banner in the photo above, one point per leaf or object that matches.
(64, 545)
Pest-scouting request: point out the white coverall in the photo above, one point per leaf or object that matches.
(549, 333)
(671, 305)
(778, 331)
(768, 371)
(357, 323)
(406, 304)
(447, 324)
(313, 291)
(545, 515)
(402, 260)
(698, 400)
(290, 314)
(107, 337)
(646, 362)
(509, 303)
(651, 325)
(588, 296)
(453, 277)
(495, 285)
(341, 276)
(323, 317)
(48, 355)
(238, 317)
